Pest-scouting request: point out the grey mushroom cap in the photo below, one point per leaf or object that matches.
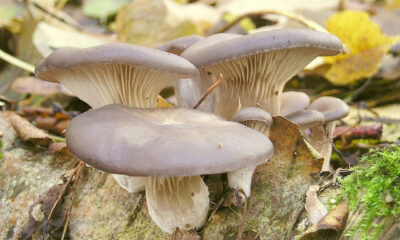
(164, 142)
(208, 42)
(326, 44)
(307, 118)
(252, 114)
(113, 53)
(293, 102)
(332, 108)
(177, 46)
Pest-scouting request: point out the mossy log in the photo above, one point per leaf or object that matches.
(31, 178)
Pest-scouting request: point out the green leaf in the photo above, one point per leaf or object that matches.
(102, 9)
(7, 12)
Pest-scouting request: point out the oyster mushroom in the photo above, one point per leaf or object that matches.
(115, 73)
(257, 66)
(320, 138)
(261, 121)
(173, 147)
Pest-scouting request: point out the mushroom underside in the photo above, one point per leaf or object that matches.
(130, 184)
(103, 84)
(258, 80)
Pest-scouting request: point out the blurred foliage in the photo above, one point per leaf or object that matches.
(103, 9)
(366, 47)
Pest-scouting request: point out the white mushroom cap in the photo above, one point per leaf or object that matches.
(139, 142)
(177, 46)
(293, 102)
(257, 66)
(114, 73)
(174, 146)
(307, 118)
(332, 108)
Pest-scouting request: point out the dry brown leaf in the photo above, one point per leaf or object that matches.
(278, 189)
(330, 226)
(27, 131)
(39, 212)
(315, 209)
(58, 147)
(36, 86)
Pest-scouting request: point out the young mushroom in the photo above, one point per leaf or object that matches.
(115, 73)
(173, 147)
(257, 66)
(321, 136)
(292, 102)
(259, 120)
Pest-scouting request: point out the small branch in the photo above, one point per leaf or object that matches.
(61, 4)
(241, 227)
(296, 17)
(67, 220)
(74, 171)
(220, 77)
(16, 62)
(265, 226)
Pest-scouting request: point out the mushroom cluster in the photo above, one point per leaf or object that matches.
(165, 151)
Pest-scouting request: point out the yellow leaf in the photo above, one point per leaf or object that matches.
(391, 4)
(366, 46)
(162, 103)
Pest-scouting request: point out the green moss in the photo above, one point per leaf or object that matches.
(375, 183)
(1, 149)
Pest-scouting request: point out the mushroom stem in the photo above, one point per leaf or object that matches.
(320, 139)
(241, 179)
(177, 202)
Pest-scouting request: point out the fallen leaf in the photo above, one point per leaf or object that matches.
(366, 46)
(27, 131)
(39, 212)
(162, 103)
(102, 9)
(278, 189)
(242, 7)
(154, 22)
(47, 38)
(34, 85)
(7, 12)
(330, 226)
(392, 4)
(58, 147)
(315, 209)
(46, 123)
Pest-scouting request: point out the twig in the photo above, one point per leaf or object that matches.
(209, 90)
(241, 227)
(305, 21)
(265, 226)
(68, 218)
(359, 90)
(74, 171)
(61, 4)
(16, 62)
